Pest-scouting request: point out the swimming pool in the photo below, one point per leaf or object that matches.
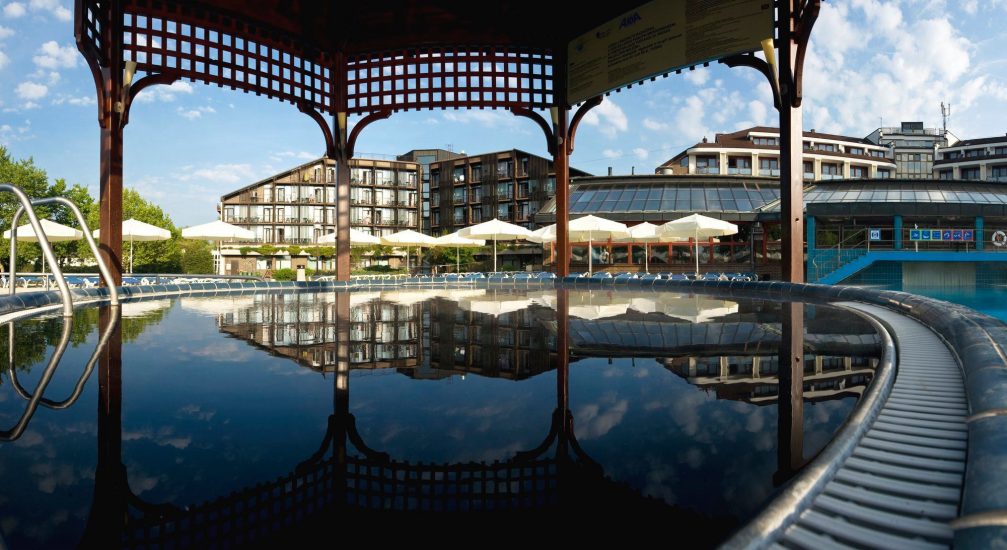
(239, 417)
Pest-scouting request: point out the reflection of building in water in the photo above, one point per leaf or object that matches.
(738, 356)
(302, 327)
(510, 345)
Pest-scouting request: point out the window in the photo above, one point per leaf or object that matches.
(458, 175)
(459, 217)
(878, 154)
(684, 163)
(883, 173)
(972, 153)
(739, 165)
(477, 172)
(998, 173)
(524, 166)
(1000, 150)
(504, 168)
(831, 171)
(503, 211)
(707, 165)
(809, 170)
(855, 150)
(229, 215)
(945, 174)
(858, 172)
(505, 191)
(359, 175)
(970, 173)
(384, 177)
(765, 141)
(829, 147)
(769, 167)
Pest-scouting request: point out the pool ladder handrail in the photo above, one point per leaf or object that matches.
(27, 206)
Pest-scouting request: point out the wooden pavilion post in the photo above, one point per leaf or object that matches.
(561, 166)
(106, 67)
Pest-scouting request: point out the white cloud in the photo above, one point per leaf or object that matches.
(53, 7)
(654, 125)
(298, 155)
(593, 421)
(611, 153)
(608, 117)
(81, 101)
(164, 93)
(196, 112)
(31, 90)
(53, 56)
(641, 153)
(221, 173)
(14, 10)
(699, 77)
(757, 112)
(4, 60)
(5, 32)
(971, 6)
(488, 119)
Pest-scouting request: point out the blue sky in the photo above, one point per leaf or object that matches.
(870, 61)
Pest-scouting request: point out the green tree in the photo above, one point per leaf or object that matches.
(195, 257)
(34, 182)
(449, 257)
(153, 256)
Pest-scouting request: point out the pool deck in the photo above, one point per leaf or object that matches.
(928, 467)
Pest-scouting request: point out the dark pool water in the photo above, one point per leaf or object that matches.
(237, 419)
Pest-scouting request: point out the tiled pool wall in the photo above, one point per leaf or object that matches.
(977, 340)
(895, 274)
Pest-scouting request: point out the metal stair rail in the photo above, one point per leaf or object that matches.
(113, 291)
(43, 242)
(827, 260)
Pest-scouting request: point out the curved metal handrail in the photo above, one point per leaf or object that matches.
(113, 292)
(50, 369)
(88, 368)
(43, 242)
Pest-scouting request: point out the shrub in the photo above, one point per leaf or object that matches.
(285, 274)
(293, 250)
(245, 250)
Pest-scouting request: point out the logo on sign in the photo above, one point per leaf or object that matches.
(926, 235)
(914, 235)
(629, 20)
(967, 234)
(947, 235)
(956, 235)
(875, 234)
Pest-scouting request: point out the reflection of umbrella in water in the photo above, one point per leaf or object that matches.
(590, 305)
(142, 308)
(693, 308)
(496, 305)
(361, 298)
(136, 230)
(411, 297)
(54, 232)
(217, 305)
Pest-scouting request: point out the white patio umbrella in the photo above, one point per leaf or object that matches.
(408, 238)
(54, 232)
(592, 227)
(218, 232)
(496, 230)
(646, 233)
(357, 238)
(496, 305)
(696, 226)
(136, 230)
(457, 241)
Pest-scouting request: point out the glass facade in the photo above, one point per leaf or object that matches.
(668, 198)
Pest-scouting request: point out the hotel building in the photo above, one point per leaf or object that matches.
(982, 159)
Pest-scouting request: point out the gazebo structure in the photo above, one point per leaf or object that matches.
(335, 61)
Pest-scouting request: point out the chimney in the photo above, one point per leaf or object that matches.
(632, 170)
(704, 139)
(610, 170)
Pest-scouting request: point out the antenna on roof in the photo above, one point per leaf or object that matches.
(450, 147)
(945, 115)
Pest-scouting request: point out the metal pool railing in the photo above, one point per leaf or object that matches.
(113, 292)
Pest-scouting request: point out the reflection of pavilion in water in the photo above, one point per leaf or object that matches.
(346, 478)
